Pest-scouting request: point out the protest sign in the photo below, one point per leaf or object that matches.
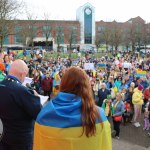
(89, 66)
(101, 66)
(127, 65)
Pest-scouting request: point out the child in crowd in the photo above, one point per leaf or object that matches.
(146, 117)
(127, 114)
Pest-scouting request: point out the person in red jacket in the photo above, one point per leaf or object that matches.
(47, 85)
(147, 94)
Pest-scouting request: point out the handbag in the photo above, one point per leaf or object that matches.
(118, 118)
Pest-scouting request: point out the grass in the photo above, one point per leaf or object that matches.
(65, 55)
(74, 55)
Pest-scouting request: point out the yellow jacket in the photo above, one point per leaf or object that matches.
(137, 98)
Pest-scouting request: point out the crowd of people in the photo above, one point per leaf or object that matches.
(120, 84)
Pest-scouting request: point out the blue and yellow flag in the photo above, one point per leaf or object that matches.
(58, 127)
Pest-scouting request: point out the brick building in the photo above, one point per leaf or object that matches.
(84, 31)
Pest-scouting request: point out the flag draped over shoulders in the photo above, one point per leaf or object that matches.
(59, 127)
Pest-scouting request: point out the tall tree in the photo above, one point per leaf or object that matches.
(145, 36)
(9, 9)
(58, 33)
(138, 33)
(116, 34)
(71, 37)
(99, 40)
(32, 29)
(132, 37)
(21, 32)
(47, 29)
(126, 37)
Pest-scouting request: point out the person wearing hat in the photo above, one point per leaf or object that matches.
(137, 100)
(107, 106)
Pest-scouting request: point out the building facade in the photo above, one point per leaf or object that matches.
(84, 31)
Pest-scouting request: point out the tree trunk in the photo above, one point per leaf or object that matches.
(32, 44)
(133, 48)
(46, 44)
(112, 49)
(1, 47)
(127, 47)
(116, 47)
(1, 44)
(70, 50)
(106, 46)
(145, 48)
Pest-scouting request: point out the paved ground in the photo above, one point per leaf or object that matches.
(132, 138)
(122, 145)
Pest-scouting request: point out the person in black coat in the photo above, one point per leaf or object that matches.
(19, 108)
(102, 94)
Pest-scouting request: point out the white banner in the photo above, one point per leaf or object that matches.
(89, 66)
(127, 65)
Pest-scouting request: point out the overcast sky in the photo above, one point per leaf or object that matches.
(107, 10)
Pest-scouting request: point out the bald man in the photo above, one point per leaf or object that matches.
(19, 108)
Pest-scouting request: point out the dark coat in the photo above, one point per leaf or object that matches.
(18, 110)
(102, 95)
(128, 97)
(47, 84)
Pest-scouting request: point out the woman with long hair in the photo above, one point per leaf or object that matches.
(118, 107)
(72, 121)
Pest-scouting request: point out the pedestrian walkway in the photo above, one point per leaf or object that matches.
(122, 145)
(135, 136)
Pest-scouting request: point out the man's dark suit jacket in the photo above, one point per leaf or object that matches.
(102, 95)
(18, 110)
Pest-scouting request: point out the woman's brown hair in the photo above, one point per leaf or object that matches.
(6, 55)
(75, 81)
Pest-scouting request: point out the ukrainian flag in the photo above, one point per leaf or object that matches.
(58, 127)
(141, 73)
(115, 89)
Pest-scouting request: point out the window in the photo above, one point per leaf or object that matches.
(88, 26)
(33, 30)
(18, 38)
(130, 21)
(6, 40)
(46, 31)
(127, 30)
(73, 34)
(138, 28)
(60, 35)
(101, 28)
